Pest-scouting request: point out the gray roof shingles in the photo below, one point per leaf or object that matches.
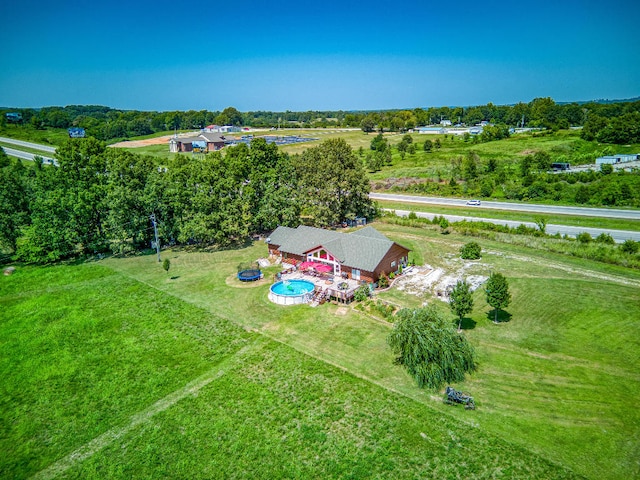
(362, 249)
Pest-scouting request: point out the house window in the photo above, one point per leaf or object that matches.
(393, 265)
(355, 274)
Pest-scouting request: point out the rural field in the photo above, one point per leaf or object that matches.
(118, 369)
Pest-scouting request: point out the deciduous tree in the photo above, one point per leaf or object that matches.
(497, 290)
(461, 301)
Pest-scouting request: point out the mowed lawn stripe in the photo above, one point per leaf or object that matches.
(81, 358)
(98, 443)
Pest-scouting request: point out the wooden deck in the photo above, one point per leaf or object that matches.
(326, 283)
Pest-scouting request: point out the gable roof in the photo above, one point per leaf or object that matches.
(363, 249)
(208, 137)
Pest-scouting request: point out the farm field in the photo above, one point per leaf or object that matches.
(115, 369)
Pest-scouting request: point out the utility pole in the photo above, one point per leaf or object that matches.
(155, 231)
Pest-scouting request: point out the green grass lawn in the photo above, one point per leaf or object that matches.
(46, 136)
(109, 377)
(193, 374)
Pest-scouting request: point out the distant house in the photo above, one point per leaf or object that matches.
(431, 130)
(13, 117)
(205, 142)
(618, 158)
(361, 255)
(220, 129)
(76, 132)
(445, 123)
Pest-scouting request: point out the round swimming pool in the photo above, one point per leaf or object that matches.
(291, 292)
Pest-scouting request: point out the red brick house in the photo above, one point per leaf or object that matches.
(361, 255)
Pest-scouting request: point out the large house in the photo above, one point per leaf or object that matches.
(361, 255)
(205, 142)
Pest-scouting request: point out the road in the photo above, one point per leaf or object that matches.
(29, 156)
(21, 143)
(618, 235)
(519, 207)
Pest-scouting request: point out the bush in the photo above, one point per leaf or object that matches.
(630, 246)
(383, 281)
(471, 251)
(584, 237)
(605, 238)
(361, 293)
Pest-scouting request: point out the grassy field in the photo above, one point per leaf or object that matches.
(47, 136)
(116, 369)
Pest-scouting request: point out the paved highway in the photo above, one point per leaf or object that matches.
(618, 235)
(520, 207)
(29, 156)
(22, 143)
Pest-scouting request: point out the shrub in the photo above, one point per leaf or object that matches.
(471, 251)
(383, 281)
(361, 293)
(584, 237)
(630, 246)
(605, 238)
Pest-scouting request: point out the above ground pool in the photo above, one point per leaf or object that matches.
(291, 292)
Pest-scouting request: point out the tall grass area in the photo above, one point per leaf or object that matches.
(108, 377)
(45, 136)
(529, 237)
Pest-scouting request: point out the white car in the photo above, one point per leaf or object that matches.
(473, 202)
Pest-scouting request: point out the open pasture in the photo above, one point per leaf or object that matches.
(116, 369)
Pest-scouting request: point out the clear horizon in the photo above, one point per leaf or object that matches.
(158, 56)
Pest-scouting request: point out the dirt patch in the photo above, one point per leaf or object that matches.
(341, 311)
(440, 281)
(164, 140)
(143, 143)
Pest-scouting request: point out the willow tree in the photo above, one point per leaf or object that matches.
(429, 347)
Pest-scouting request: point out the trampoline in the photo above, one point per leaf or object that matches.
(250, 275)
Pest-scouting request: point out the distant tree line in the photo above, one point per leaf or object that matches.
(100, 199)
(610, 122)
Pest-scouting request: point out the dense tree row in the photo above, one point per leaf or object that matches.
(105, 123)
(619, 130)
(101, 199)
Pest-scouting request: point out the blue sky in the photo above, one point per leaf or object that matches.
(259, 55)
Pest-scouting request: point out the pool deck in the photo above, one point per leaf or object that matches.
(326, 283)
